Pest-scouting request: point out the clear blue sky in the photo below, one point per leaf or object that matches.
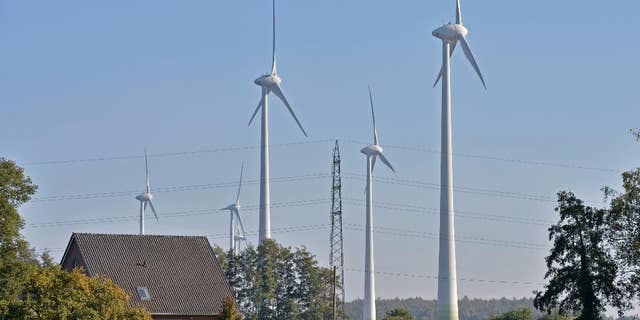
(83, 80)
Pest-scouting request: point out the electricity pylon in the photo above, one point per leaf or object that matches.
(336, 255)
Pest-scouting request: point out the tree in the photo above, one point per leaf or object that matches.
(52, 293)
(517, 314)
(581, 270)
(16, 258)
(398, 314)
(315, 291)
(229, 311)
(624, 222)
(276, 282)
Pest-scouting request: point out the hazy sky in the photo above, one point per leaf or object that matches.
(86, 80)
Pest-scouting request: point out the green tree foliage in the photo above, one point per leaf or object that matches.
(16, 258)
(581, 269)
(276, 282)
(398, 314)
(49, 292)
(624, 222)
(229, 311)
(517, 314)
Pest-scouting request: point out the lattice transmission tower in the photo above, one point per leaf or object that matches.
(336, 255)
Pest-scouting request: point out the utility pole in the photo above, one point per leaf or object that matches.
(336, 255)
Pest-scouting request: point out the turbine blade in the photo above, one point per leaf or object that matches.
(373, 116)
(469, 55)
(451, 48)
(386, 162)
(458, 13)
(273, 57)
(154, 210)
(278, 92)
(258, 107)
(146, 168)
(240, 183)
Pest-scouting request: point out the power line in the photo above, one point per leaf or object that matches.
(403, 207)
(324, 140)
(462, 189)
(184, 213)
(462, 239)
(493, 158)
(352, 227)
(458, 213)
(194, 187)
(170, 154)
(432, 277)
(306, 177)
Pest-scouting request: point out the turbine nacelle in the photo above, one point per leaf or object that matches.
(450, 32)
(372, 150)
(232, 207)
(268, 81)
(144, 197)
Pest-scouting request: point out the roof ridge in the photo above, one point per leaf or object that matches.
(139, 235)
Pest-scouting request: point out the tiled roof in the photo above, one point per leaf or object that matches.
(181, 273)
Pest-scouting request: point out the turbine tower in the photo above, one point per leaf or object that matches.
(236, 228)
(372, 152)
(145, 198)
(269, 82)
(450, 34)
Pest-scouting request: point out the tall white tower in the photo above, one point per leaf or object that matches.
(451, 34)
(372, 151)
(269, 82)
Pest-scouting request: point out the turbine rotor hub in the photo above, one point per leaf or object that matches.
(372, 150)
(450, 32)
(268, 80)
(144, 197)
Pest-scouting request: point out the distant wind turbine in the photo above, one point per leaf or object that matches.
(236, 228)
(450, 34)
(269, 82)
(145, 198)
(372, 152)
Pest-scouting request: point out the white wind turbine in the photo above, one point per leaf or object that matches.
(372, 152)
(236, 228)
(145, 198)
(450, 34)
(269, 82)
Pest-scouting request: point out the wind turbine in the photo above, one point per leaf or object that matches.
(145, 198)
(236, 228)
(450, 34)
(269, 82)
(372, 152)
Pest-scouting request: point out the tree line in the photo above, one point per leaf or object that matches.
(277, 282)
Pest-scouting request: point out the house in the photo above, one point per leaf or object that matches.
(173, 277)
